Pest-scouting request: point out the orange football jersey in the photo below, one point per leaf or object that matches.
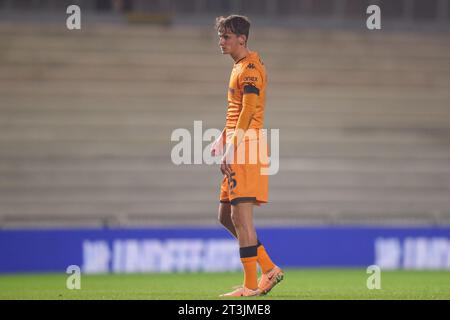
(248, 76)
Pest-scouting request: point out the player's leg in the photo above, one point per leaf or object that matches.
(271, 273)
(225, 217)
(242, 218)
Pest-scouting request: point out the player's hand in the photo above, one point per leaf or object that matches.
(216, 148)
(225, 165)
(218, 145)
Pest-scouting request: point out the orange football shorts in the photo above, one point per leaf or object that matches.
(247, 182)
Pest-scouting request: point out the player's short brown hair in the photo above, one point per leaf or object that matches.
(239, 25)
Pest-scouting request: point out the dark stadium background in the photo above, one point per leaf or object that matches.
(86, 118)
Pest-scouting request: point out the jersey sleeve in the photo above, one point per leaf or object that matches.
(250, 79)
(251, 83)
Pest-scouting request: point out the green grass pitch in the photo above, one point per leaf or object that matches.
(298, 284)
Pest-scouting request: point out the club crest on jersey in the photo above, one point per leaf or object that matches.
(250, 66)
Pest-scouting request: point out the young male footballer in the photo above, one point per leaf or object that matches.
(244, 184)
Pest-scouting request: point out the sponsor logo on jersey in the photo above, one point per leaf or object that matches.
(250, 79)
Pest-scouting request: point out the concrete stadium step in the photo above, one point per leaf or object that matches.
(198, 193)
(39, 60)
(85, 135)
(151, 209)
(319, 105)
(364, 165)
(209, 74)
(144, 111)
(64, 90)
(163, 163)
(272, 214)
(208, 209)
(100, 36)
(180, 180)
(291, 137)
(191, 89)
(362, 209)
(133, 107)
(305, 42)
(299, 56)
(362, 150)
(101, 30)
(15, 151)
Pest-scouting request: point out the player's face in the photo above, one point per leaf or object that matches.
(228, 42)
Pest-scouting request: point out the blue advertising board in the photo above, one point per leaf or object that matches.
(178, 249)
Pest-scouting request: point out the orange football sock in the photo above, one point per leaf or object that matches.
(248, 259)
(250, 273)
(263, 259)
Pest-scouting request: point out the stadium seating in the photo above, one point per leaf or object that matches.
(87, 116)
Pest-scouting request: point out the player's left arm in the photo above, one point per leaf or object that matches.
(251, 84)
